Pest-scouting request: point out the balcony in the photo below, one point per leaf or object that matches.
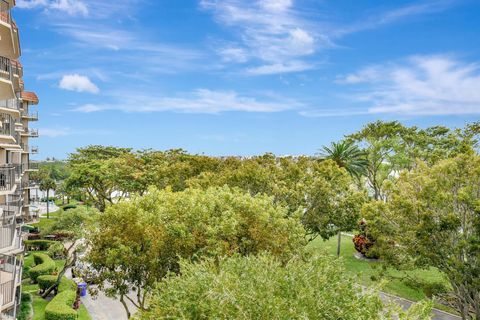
(30, 166)
(11, 209)
(17, 73)
(32, 133)
(33, 150)
(10, 43)
(7, 178)
(6, 76)
(32, 116)
(10, 105)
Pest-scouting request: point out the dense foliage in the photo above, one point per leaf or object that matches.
(261, 287)
(432, 220)
(138, 242)
(413, 184)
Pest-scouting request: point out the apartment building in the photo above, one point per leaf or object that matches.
(16, 112)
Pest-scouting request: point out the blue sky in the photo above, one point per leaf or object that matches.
(237, 77)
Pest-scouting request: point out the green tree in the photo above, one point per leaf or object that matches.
(261, 287)
(138, 242)
(432, 220)
(95, 174)
(347, 155)
(333, 202)
(48, 184)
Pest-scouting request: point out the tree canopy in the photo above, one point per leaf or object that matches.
(432, 220)
(138, 242)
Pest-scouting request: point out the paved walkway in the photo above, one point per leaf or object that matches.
(102, 307)
(406, 304)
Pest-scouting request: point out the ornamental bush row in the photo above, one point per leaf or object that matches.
(60, 308)
(44, 266)
(46, 281)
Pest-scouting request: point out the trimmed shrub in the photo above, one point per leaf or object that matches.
(61, 306)
(67, 284)
(38, 245)
(44, 266)
(46, 281)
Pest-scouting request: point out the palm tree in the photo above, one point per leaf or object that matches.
(346, 155)
(48, 184)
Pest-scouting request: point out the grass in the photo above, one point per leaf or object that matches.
(39, 304)
(369, 273)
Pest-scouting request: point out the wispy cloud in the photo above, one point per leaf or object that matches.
(271, 34)
(54, 132)
(71, 7)
(418, 86)
(198, 101)
(274, 37)
(78, 83)
(379, 19)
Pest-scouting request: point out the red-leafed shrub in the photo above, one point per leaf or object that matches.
(363, 242)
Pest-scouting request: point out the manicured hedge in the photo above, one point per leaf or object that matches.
(44, 266)
(39, 245)
(67, 284)
(46, 281)
(60, 308)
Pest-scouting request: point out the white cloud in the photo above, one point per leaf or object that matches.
(379, 19)
(421, 85)
(54, 132)
(290, 66)
(30, 4)
(78, 83)
(198, 101)
(275, 35)
(276, 5)
(71, 7)
(270, 33)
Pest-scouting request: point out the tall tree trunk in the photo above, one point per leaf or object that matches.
(339, 242)
(48, 203)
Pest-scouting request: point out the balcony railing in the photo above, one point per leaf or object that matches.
(32, 165)
(10, 210)
(7, 233)
(7, 178)
(5, 69)
(6, 292)
(33, 149)
(10, 104)
(5, 15)
(17, 196)
(32, 116)
(7, 124)
(33, 133)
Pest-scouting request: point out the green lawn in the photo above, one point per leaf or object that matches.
(39, 303)
(44, 222)
(365, 271)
